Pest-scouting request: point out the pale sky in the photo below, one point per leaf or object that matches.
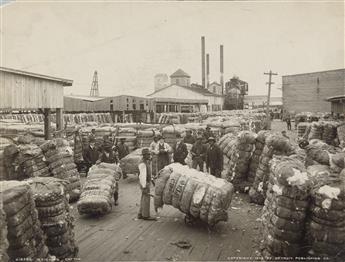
(129, 42)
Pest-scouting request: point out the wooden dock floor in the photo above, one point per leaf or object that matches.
(120, 236)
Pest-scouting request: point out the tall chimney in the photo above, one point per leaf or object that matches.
(203, 60)
(222, 68)
(207, 71)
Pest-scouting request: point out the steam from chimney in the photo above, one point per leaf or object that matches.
(222, 67)
(203, 61)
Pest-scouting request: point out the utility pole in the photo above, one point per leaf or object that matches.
(269, 83)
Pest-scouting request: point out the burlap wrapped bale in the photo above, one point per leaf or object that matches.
(341, 134)
(275, 145)
(194, 193)
(3, 235)
(316, 131)
(97, 196)
(326, 224)
(129, 164)
(285, 210)
(329, 132)
(240, 160)
(318, 152)
(25, 236)
(301, 128)
(255, 159)
(59, 156)
(53, 212)
(227, 144)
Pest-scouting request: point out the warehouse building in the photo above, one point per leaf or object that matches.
(137, 107)
(308, 92)
(27, 92)
(182, 92)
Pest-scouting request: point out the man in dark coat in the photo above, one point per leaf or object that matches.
(180, 150)
(214, 158)
(122, 148)
(91, 154)
(189, 139)
(198, 152)
(207, 134)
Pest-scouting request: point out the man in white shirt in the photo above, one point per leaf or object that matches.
(162, 150)
(145, 173)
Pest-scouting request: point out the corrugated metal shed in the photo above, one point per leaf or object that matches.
(25, 90)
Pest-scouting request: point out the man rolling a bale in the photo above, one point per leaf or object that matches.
(214, 158)
(180, 150)
(162, 151)
(145, 180)
(198, 152)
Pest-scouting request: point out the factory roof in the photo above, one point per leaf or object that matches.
(86, 98)
(199, 90)
(64, 82)
(180, 73)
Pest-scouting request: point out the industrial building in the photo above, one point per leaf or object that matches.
(235, 90)
(309, 92)
(26, 91)
(181, 91)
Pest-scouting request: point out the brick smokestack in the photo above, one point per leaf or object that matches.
(207, 71)
(222, 68)
(203, 61)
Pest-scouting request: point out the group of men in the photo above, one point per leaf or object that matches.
(204, 150)
(109, 151)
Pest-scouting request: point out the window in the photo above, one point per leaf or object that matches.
(134, 106)
(142, 107)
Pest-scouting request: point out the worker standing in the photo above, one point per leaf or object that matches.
(162, 150)
(91, 154)
(122, 148)
(214, 158)
(145, 180)
(78, 149)
(198, 152)
(207, 134)
(153, 155)
(189, 139)
(180, 150)
(288, 122)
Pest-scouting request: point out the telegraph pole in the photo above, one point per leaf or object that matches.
(269, 83)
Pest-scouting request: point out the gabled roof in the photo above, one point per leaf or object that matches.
(215, 83)
(64, 82)
(180, 73)
(202, 91)
(86, 98)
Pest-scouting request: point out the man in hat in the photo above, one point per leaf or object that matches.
(91, 154)
(198, 152)
(152, 148)
(145, 180)
(214, 158)
(189, 139)
(162, 150)
(78, 149)
(180, 150)
(207, 134)
(122, 148)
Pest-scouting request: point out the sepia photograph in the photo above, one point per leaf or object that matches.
(172, 130)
